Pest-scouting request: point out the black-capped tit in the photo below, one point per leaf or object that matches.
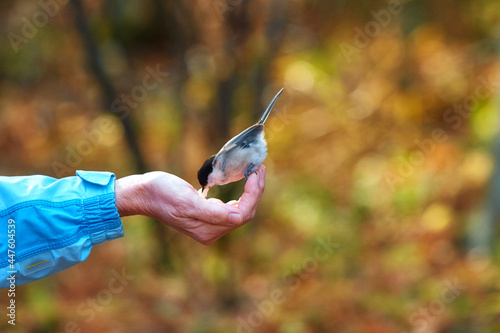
(238, 158)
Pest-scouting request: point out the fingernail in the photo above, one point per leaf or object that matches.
(235, 218)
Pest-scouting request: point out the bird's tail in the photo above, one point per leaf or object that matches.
(270, 107)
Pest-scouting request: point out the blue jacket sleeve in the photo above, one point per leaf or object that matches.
(51, 224)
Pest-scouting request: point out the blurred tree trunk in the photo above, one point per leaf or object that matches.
(107, 90)
(161, 234)
(275, 32)
(179, 26)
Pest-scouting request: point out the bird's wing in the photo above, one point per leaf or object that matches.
(243, 139)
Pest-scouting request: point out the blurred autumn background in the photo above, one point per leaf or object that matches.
(383, 176)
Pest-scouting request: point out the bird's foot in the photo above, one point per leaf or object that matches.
(249, 172)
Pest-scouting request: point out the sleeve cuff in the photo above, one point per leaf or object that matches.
(99, 211)
(66, 230)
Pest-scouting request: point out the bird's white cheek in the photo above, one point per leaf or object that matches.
(215, 178)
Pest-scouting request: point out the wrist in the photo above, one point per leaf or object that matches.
(131, 195)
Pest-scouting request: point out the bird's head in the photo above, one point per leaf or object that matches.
(204, 172)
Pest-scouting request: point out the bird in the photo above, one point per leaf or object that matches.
(239, 157)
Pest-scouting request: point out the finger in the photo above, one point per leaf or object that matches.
(214, 212)
(234, 214)
(253, 193)
(215, 200)
(262, 178)
(233, 203)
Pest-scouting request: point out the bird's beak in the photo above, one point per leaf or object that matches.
(203, 191)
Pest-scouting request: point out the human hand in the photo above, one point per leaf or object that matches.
(173, 201)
